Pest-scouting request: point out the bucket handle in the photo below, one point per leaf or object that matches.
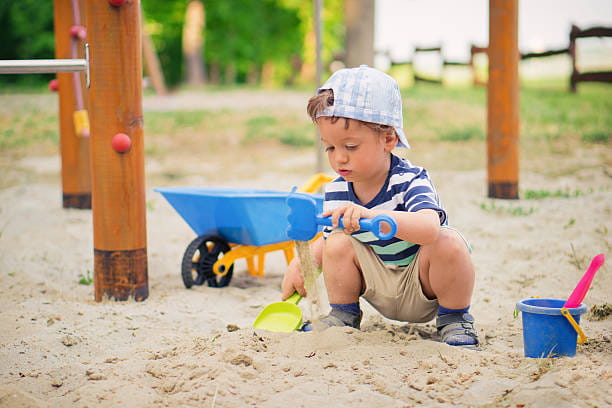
(581, 337)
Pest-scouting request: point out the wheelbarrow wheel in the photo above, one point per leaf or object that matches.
(198, 261)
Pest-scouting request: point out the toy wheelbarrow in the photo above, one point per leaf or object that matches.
(231, 224)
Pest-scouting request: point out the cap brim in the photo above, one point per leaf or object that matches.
(403, 142)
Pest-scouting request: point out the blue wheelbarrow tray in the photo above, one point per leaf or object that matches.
(241, 216)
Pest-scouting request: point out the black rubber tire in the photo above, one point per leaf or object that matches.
(199, 258)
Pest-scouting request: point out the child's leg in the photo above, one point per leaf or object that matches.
(343, 281)
(341, 271)
(446, 270)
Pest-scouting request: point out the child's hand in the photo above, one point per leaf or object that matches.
(293, 280)
(351, 214)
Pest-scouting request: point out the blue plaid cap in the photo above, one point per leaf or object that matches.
(366, 94)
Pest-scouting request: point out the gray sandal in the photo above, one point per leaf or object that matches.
(335, 318)
(457, 329)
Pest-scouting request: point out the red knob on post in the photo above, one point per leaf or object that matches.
(121, 142)
(54, 85)
(78, 31)
(116, 3)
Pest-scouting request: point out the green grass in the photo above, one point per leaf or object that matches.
(22, 129)
(85, 279)
(289, 132)
(558, 193)
(511, 209)
(551, 117)
(463, 134)
(547, 113)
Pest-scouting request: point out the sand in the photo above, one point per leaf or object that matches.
(196, 347)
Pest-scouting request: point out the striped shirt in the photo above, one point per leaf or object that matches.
(407, 188)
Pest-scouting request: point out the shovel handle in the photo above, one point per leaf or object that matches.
(295, 298)
(368, 224)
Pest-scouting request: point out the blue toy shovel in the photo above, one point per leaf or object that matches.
(286, 316)
(303, 220)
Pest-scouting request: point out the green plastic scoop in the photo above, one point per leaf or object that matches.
(283, 316)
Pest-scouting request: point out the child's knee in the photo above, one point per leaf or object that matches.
(338, 245)
(451, 243)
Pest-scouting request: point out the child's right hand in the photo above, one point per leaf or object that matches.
(293, 280)
(351, 214)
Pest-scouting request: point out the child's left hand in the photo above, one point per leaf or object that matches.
(351, 214)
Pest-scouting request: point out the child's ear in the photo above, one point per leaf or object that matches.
(390, 140)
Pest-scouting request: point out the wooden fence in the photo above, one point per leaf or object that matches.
(600, 76)
(575, 77)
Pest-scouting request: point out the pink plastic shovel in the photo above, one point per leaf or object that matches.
(575, 299)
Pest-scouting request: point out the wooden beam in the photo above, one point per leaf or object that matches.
(503, 100)
(74, 149)
(597, 76)
(591, 32)
(548, 53)
(118, 193)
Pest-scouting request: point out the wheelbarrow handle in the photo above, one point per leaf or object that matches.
(367, 224)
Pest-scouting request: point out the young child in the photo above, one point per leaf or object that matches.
(425, 270)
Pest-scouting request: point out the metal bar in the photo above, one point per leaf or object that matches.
(42, 66)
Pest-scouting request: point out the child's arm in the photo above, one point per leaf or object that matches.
(293, 280)
(421, 227)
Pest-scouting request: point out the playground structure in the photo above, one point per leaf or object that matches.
(114, 148)
(574, 78)
(103, 167)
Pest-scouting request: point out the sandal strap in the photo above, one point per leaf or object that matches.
(342, 318)
(337, 318)
(456, 324)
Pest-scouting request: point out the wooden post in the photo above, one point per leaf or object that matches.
(118, 193)
(76, 174)
(572, 53)
(359, 37)
(503, 100)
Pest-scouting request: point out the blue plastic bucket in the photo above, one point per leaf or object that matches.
(546, 332)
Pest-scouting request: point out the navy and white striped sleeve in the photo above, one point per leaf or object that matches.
(421, 195)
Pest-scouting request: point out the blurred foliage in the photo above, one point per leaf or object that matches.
(26, 29)
(241, 36)
(164, 22)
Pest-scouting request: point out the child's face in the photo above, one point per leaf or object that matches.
(358, 154)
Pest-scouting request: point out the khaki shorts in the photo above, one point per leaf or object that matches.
(394, 291)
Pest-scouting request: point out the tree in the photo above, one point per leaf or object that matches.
(26, 29)
(244, 35)
(359, 15)
(193, 43)
(164, 21)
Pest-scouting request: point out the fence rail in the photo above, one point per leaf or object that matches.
(575, 77)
